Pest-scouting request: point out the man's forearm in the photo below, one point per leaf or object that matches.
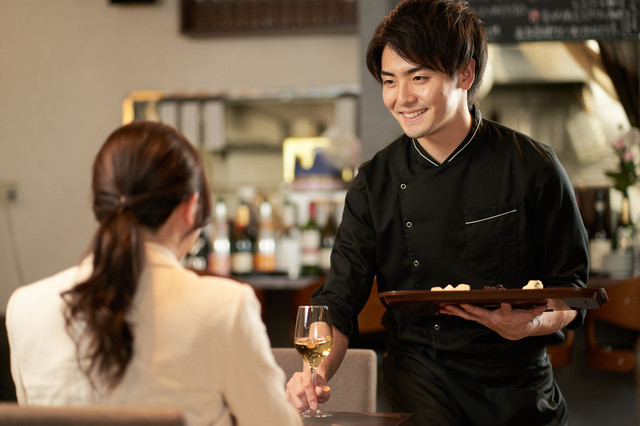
(331, 364)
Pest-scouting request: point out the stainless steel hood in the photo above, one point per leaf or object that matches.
(545, 62)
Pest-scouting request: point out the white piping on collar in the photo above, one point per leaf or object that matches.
(454, 155)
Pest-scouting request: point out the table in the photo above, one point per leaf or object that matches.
(362, 419)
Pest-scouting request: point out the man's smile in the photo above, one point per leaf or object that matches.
(413, 114)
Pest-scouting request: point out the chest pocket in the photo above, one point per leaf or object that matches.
(492, 240)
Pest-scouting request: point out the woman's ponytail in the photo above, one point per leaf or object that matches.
(142, 172)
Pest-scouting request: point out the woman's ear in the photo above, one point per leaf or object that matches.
(467, 75)
(189, 208)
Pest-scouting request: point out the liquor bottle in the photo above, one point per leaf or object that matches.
(624, 230)
(600, 243)
(247, 195)
(265, 257)
(197, 257)
(242, 244)
(310, 244)
(327, 238)
(220, 255)
(288, 243)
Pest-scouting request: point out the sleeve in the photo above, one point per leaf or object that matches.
(562, 241)
(254, 383)
(13, 350)
(353, 262)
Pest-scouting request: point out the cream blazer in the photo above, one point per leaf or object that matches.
(200, 346)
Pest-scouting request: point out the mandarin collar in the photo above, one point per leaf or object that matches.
(423, 156)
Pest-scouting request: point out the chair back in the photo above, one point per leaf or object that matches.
(622, 310)
(623, 305)
(12, 414)
(353, 387)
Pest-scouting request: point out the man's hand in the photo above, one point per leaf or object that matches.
(301, 393)
(512, 324)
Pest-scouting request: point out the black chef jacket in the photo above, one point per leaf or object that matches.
(499, 210)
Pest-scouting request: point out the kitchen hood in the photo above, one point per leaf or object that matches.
(545, 62)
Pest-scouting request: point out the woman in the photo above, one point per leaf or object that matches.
(131, 326)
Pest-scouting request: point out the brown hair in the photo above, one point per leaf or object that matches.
(442, 35)
(141, 173)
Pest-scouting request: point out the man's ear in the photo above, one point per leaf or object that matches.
(189, 208)
(467, 75)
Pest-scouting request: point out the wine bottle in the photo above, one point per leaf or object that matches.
(600, 243)
(327, 239)
(197, 257)
(242, 244)
(220, 256)
(288, 243)
(624, 230)
(265, 257)
(310, 244)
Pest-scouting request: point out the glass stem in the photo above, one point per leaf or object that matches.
(313, 377)
(312, 370)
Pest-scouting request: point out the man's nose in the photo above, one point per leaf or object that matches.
(406, 95)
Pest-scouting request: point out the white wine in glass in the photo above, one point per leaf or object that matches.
(313, 339)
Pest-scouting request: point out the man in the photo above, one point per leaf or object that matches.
(456, 199)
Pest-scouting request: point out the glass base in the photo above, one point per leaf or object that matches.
(314, 413)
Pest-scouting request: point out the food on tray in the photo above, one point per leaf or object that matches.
(533, 285)
(459, 287)
(496, 287)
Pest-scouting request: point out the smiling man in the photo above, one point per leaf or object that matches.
(455, 199)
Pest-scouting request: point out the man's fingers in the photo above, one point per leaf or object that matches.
(323, 393)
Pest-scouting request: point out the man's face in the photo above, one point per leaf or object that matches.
(425, 102)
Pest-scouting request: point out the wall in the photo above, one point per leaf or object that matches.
(377, 127)
(67, 66)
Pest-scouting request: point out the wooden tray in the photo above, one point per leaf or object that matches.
(427, 302)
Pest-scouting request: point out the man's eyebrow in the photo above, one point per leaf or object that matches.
(407, 72)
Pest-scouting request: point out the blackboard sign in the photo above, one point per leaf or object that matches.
(509, 21)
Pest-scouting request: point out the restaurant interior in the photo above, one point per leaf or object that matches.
(258, 102)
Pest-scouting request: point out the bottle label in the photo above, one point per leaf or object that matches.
(288, 256)
(242, 262)
(265, 262)
(310, 242)
(325, 258)
(220, 264)
(597, 251)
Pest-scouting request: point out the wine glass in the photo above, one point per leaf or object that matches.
(313, 339)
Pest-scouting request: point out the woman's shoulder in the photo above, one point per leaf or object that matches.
(54, 284)
(207, 289)
(224, 284)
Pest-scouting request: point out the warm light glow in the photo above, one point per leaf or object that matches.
(128, 110)
(593, 45)
(302, 149)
